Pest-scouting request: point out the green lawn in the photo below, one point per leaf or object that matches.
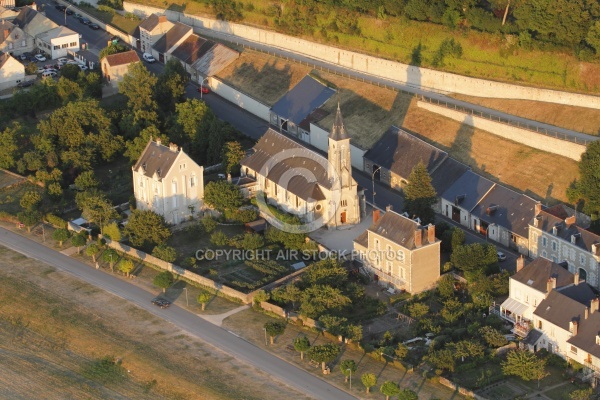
(485, 55)
(127, 25)
(10, 197)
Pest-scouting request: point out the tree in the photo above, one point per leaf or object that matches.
(138, 86)
(525, 365)
(147, 227)
(194, 118)
(209, 224)
(68, 90)
(452, 310)
(30, 200)
(165, 253)
(407, 394)
(260, 296)
(232, 155)
(92, 250)
(318, 299)
(401, 351)
(587, 189)
(219, 238)
(287, 294)
(333, 324)
(9, 149)
(29, 218)
(458, 238)
(171, 85)
(420, 195)
(96, 208)
(466, 348)
(492, 337)
(581, 394)
(125, 266)
(60, 235)
(369, 380)
(323, 353)
(112, 48)
(223, 195)
(442, 359)
(389, 389)
(348, 367)
(418, 310)
(86, 180)
(203, 298)
(79, 240)
(301, 344)
(31, 68)
(252, 241)
(446, 286)
(274, 329)
(113, 232)
(326, 272)
(110, 256)
(593, 36)
(475, 260)
(163, 280)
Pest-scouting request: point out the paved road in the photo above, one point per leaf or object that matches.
(396, 84)
(207, 332)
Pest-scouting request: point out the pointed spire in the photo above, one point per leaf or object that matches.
(338, 132)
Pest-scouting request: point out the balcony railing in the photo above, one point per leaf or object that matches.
(522, 328)
(591, 366)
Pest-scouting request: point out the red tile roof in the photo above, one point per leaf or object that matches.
(124, 58)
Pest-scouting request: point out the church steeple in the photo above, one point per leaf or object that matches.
(338, 131)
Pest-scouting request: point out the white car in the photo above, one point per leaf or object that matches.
(148, 57)
(62, 61)
(40, 57)
(40, 70)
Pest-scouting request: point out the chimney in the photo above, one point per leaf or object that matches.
(573, 325)
(555, 230)
(536, 221)
(162, 18)
(389, 207)
(173, 147)
(520, 263)
(538, 208)
(491, 209)
(418, 237)
(33, 6)
(576, 278)
(158, 141)
(431, 233)
(586, 312)
(551, 284)
(376, 214)
(570, 220)
(595, 248)
(6, 33)
(594, 305)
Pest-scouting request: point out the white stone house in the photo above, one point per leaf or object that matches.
(12, 72)
(115, 66)
(58, 41)
(167, 181)
(14, 40)
(151, 29)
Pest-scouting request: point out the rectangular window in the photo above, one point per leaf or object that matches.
(581, 259)
(64, 46)
(402, 273)
(553, 245)
(56, 47)
(24, 43)
(74, 44)
(10, 46)
(573, 349)
(344, 203)
(544, 241)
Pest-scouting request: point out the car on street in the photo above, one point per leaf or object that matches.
(60, 7)
(162, 303)
(501, 256)
(25, 84)
(77, 15)
(148, 58)
(69, 12)
(203, 90)
(94, 26)
(85, 21)
(40, 57)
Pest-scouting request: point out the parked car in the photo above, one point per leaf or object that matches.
(77, 15)
(69, 12)
(60, 7)
(24, 56)
(94, 26)
(85, 21)
(148, 58)
(48, 74)
(25, 84)
(501, 256)
(40, 57)
(40, 70)
(203, 89)
(62, 61)
(162, 303)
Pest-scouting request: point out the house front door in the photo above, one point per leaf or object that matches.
(343, 217)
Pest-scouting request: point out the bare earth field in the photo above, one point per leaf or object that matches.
(56, 328)
(370, 110)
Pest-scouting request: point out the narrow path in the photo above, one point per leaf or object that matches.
(540, 393)
(218, 318)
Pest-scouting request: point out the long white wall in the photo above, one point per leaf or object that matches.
(394, 71)
(523, 136)
(240, 99)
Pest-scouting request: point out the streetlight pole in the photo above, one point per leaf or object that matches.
(266, 343)
(66, 13)
(186, 297)
(373, 181)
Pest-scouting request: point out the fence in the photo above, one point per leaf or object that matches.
(460, 389)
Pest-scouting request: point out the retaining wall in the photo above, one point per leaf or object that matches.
(528, 138)
(391, 70)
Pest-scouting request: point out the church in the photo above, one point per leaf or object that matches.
(302, 182)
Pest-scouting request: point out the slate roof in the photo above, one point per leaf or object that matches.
(468, 190)
(315, 116)
(396, 228)
(562, 306)
(275, 155)
(446, 174)
(150, 23)
(586, 334)
(173, 35)
(124, 58)
(156, 158)
(537, 273)
(26, 15)
(533, 337)
(214, 60)
(338, 131)
(584, 238)
(363, 239)
(192, 49)
(299, 102)
(57, 32)
(506, 208)
(399, 152)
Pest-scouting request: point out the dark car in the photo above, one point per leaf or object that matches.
(94, 26)
(69, 12)
(60, 7)
(85, 21)
(162, 303)
(25, 84)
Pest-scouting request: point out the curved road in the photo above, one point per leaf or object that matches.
(203, 330)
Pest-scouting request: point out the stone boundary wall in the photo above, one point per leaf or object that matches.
(140, 255)
(464, 391)
(528, 138)
(394, 71)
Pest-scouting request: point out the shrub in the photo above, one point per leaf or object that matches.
(219, 238)
(209, 224)
(112, 232)
(56, 221)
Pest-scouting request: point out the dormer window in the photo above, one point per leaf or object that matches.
(555, 230)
